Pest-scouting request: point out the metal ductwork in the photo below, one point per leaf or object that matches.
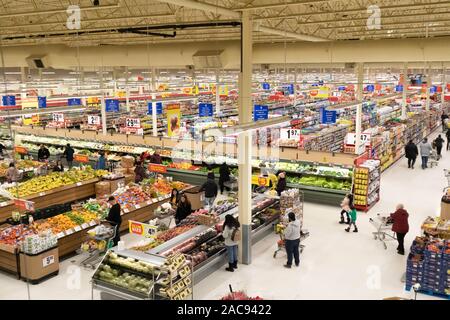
(210, 59)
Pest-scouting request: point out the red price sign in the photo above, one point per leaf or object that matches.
(24, 204)
(81, 158)
(159, 168)
(132, 123)
(136, 227)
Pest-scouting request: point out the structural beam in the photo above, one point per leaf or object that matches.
(289, 34)
(217, 91)
(405, 89)
(245, 139)
(360, 99)
(102, 101)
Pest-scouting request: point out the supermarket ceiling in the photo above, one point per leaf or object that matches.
(116, 22)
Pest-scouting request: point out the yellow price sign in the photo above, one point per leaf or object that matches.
(260, 181)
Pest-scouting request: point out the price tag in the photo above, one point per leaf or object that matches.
(79, 184)
(160, 199)
(126, 210)
(93, 120)
(137, 206)
(58, 117)
(77, 228)
(60, 235)
(290, 134)
(92, 223)
(48, 261)
(149, 202)
(84, 226)
(41, 194)
(69, 232)
(132, 123)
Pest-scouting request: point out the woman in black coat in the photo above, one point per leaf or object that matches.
(184, 209)
(411, 153)
(281, 185)
(224, 176)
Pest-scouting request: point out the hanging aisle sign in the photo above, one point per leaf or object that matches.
(58, 117)
(42, 102)
(260, 112)
(205, 110)
(399, 88)
(93, 120)
(327, 116)
(266, 86)
(159, 109)
(74, 102)
(112, 105)
(370, 88)
(9, 100)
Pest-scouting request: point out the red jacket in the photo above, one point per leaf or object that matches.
(400, 218)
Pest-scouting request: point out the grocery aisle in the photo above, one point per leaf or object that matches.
(337, 264)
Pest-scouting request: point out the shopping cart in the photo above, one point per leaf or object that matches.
(279, 229)
(103, 236)
(384, 232)
(433, 159)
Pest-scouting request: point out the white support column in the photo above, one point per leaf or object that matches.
(217, 91)
(154, 116)
(359, 98)
(103, 106)
(244, 139)
(405, 89)
(427, 103)
(295, 86)
(127, 90)
(154, 84)
(444, 85)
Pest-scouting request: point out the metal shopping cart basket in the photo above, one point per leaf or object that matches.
(101, 239)
(232, 184)
(279, 229)
(384, 232)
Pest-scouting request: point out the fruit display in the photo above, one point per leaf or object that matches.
(437, 227)
(224, 205)
(183, 166)
(130, 263)
(54, 180)
(131, 196)
(191, 243)
(20, 165)
(172, 233)
(16, 234)
(57, 224)
(125, 280)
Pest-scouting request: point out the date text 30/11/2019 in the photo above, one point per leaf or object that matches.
(241, 309)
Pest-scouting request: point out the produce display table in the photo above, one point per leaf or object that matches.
(9, 258)
(64, 194)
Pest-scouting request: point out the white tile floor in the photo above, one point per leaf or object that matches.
(334, 265)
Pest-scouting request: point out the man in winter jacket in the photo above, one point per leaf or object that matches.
(411, 153)
(447, 134)
(292, 240)
(400, 227)
(439, 142)
(210, 187)
(425, 151)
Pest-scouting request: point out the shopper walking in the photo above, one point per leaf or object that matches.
(68, 154)
(12, 174)
(346, 203)
(281, 184)
(439, 143)
(184, 209)
(411, 153)
(231, 235)
(292, 240)
(447, 134)
(400, 226)
(43, 153)
(352, 215)
(444, 119)
(101, 162)
(211, 189)
(425, 151)
(139, 172)
(224, 176)
(114, 218)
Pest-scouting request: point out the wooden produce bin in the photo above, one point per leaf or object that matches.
(195, 197)
(9, 259)
(72, 241)
(40, 266)
(59, 195)
(445, 209)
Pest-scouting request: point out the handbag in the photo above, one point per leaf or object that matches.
(236, 235)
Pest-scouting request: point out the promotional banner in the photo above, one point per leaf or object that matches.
(173, 119)
(29, 120)
(327, 116)
(112, 105)
(223, 90)
(321, 92)
(260, 113)
(158, 168)
(142, 229)
(159, 108)
(205, 110)
(74, 102)
(82, 158)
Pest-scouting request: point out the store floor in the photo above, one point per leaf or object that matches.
(334, 265)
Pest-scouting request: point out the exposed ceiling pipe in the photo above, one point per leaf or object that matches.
(289, 34)
(63, 10)
(233, 14)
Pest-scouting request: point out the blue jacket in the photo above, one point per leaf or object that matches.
(101, 163)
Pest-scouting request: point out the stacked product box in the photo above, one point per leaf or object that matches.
(35, 244)
(429, 265)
